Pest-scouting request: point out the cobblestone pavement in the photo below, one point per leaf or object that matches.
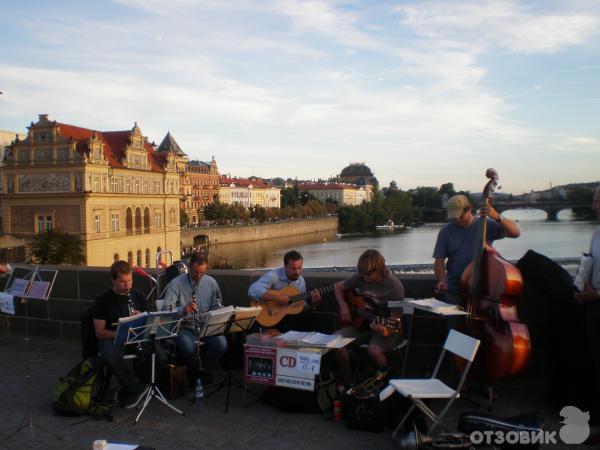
(255, 427)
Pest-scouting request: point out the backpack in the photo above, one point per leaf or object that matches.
(76, 392)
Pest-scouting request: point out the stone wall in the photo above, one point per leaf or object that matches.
(242, 233)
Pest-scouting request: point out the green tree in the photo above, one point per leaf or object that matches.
(289, 197)
(183, 218)
(448, 189)
(57, 247)
(581, 196)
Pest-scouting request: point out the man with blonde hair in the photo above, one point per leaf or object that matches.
(377, 285)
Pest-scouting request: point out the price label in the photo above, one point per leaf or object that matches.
(309, 362)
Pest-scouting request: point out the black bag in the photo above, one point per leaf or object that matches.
(363, 410)
(76, 393)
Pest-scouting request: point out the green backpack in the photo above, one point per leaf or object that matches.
(76, 393)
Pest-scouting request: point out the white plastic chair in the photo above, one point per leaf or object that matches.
(416, 390)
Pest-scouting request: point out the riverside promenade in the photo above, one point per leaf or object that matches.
(255, 427)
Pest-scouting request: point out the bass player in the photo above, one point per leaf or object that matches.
(377, 285)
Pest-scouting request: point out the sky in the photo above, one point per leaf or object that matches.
(422, 92)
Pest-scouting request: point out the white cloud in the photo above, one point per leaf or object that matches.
(507, 24)
(280, 88)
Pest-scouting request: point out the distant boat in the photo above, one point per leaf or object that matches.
(389, 226)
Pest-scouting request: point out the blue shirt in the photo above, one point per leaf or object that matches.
(457, 244)
(275, 279)
(181, 288)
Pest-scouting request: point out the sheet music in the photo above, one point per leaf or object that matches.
(215, 321)
(7, 304)
(18, 287)
(126, 324)
(39, 289)
(243, 318)
(322, 340)
(295, 337)
(437, 306)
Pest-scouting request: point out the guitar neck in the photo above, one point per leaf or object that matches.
(307, 296)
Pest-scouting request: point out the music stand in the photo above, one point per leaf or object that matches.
(30, 285)
(154, 329)
(228, 328)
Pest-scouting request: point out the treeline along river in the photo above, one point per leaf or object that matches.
(564, 238)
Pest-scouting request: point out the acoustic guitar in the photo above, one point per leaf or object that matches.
(359, 314)
(272, 312)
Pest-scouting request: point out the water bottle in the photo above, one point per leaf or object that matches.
(198, 395)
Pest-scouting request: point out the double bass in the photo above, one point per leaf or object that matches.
(493, 287)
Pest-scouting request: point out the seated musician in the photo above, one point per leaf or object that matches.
(266, 287)
(119, 301)
(192, 294)
(377, 285)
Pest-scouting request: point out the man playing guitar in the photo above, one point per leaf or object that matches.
(265, 288)
(377, 285)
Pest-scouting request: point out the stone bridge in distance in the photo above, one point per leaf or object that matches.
(552, 208)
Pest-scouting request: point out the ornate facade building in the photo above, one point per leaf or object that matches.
(198, 180)
(361, 175)
(204, 180)
(111, 189)
(343, 194)
(249, 193)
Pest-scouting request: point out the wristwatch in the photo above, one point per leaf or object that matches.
(500, 219)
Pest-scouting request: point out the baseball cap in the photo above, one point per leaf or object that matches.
(456, 206)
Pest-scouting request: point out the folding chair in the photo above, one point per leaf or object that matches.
(432, 388)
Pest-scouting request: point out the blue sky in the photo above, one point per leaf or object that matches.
(423, 92)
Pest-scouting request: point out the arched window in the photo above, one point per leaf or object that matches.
(129, 221)
(148, 259)
(139, 258)
(138, 221)
(146, 220)
(116, 257)
(158, 250)
(130, 258)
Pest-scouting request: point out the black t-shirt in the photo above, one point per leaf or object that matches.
(109, 306)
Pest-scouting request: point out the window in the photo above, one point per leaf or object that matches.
(130, 258)
(96, 184)
(116, 257)
(44, 223)
(114, 222)
(97, 223)
(157, 220)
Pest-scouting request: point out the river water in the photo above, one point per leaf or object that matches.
(562, 239)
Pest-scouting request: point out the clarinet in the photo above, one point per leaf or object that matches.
(130, 304)
(195, 315)
(131, 307)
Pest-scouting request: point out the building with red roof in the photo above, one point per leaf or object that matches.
(249, 192)
(112, 189)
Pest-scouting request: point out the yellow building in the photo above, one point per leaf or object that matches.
(249, 193)
(111, 189)
(343, 194)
